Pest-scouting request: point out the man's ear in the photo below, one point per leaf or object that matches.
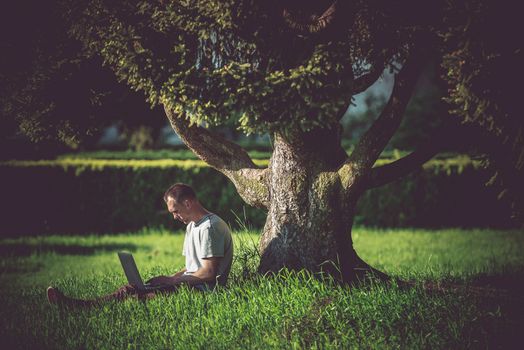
(187, 203)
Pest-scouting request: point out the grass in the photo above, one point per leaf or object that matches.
(291, 310)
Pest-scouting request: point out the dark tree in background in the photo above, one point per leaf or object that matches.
(483, 61)
(290, 68)
(51, 91)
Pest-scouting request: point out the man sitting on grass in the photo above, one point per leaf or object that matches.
(208, 249)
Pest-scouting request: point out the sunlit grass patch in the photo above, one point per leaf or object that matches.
(290, 310)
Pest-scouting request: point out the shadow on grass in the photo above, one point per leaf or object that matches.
(512, 281)
(25, 249)
(505, 286)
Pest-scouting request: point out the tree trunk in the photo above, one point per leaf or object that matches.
(310, 215)
(311, 186)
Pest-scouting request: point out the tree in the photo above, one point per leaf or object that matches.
(484, 71)
(51, 92)
(424, 113)
(288, 68)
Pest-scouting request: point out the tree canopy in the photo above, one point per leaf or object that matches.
(292, 66)
(51, 91)
(218, 61)
(483, 69)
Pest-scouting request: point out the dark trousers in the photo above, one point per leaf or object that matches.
(129, 291)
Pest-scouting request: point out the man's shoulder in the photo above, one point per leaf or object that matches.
(214, 219)
(209, 221)
(216, 224)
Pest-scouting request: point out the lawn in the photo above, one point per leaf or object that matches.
(475, 300)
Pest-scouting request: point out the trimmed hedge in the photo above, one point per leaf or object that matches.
(78, 196)
(438, 195)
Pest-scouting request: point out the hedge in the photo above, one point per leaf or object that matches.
(83, 195)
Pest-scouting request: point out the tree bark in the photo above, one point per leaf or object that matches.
(310, 215)
(225, 156)
(314, 188)
(310, 188)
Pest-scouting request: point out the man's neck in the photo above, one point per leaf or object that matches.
(201, 213)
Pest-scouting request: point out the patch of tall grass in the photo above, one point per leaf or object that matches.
(288, 310)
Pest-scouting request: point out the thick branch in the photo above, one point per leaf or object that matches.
(313, 23)
(226, 157)
(373, 142)
(363, 82)
(323, 19)
(384, 174)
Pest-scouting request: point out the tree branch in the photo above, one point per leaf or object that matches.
(373, 142)
(384, 174)
(313, 23)
(225, 156)
(320, 20)
(363, 82)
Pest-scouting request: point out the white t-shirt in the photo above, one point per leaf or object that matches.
(208, 237)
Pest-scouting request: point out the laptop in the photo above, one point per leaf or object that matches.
(132, 274)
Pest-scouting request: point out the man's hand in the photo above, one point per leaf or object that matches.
(207, 273)
(161, 280)
(169, 280)
(179, 273)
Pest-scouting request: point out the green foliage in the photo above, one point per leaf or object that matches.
(291, 310)
(389, 155)
(50, 90)
(481, 73)
(141, 139)
(251, 63)
(233, 61)
(444, 193)
(483, 76)
(107, 195)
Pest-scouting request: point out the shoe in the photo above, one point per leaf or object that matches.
(54, 296)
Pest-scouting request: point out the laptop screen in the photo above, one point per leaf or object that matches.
(130, 269)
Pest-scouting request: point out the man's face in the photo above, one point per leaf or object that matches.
(180, 211)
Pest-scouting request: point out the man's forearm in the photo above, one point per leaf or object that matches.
(190, 280)
(197, 277)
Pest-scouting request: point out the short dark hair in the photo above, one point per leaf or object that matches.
(179, 192)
